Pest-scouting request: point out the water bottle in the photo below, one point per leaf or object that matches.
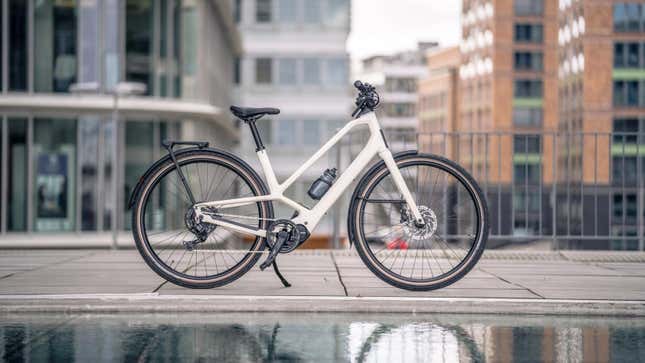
(322, 184)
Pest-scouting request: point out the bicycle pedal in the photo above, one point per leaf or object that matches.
(283, 236)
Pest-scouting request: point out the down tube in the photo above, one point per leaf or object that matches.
(346, 178)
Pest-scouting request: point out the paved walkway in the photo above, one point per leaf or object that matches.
(601, 283)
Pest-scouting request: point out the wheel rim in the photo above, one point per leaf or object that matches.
(409, 254)
(165, 232)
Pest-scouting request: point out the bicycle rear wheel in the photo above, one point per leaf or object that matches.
(167, 236)
(419, 258)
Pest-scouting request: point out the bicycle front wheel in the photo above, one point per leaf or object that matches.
(419, 257)
(173, 244)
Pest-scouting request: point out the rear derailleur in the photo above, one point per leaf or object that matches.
(198, 228)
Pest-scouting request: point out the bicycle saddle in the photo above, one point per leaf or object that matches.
(247, 113)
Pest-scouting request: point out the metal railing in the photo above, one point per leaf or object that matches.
(548, 189)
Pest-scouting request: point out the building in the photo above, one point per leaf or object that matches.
(58, 154)
(508, 59)
(396, 78)
(535, 111)
(295, 59)
(437, 105)
(601, 62)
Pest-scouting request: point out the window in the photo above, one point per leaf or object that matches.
(311, 69)
(629, 17)
(287, 132)
(237, 11)
(527, 116)
(312, 10)
(337, 72)
(528, 88)
(311, 133)
(633, 55)
(530, 33)
(287, 72)
(526, 173)
(633, 11)
(17, 179)
(628, 93)
(17, 45)
(237, 71)
(263, 11)
(54, 177)
(287, 11)
(337, 13)
(399, 109)
(625, 131)
(138, 43)
(619, 55)
(624, 169)
(406, 85)
(620, 18)
(529, 7)
(263, 71)
(526, 144)
(528, 61)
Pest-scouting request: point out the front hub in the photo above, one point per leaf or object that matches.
(417, 231)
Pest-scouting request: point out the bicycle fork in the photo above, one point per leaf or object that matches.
(387, 157)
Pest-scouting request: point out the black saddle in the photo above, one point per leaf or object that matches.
(251, 113)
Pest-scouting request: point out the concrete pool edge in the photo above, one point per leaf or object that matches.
(153, 302)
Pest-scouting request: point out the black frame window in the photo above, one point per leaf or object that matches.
(629, 93)
(527, 116)
(629, 55)
(629, 17)
(528, 61)
(529, 7)
(17, 47)
(529, 33)
(532, 88)
(263, 71)
(263, 11)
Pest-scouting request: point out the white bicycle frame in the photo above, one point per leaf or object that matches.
(311, 217)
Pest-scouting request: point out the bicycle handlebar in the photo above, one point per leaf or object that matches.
(367, 99)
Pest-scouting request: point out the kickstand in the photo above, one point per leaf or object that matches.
(282, 279)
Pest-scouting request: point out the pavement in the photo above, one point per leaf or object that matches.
(585, 283)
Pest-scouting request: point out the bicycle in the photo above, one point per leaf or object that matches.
(418, 221)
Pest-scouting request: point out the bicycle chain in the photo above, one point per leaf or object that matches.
(239, 216)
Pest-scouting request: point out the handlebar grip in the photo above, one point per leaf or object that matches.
(358, 84)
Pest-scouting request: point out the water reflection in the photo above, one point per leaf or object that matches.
(317, 337)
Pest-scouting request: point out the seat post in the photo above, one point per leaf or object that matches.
(256, 136)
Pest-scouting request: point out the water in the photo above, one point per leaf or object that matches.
(318, 337)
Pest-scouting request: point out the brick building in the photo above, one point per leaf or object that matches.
(550, 113)
(437, 106)
(601, 67)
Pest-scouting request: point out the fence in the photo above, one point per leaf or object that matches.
(558, 190)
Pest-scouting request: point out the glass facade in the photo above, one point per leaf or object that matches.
(55, 60)
(17, 179)
(59, 168)
(18, 62)
(139, 42)
(54, 175)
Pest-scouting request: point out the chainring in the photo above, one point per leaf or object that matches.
(294, 235)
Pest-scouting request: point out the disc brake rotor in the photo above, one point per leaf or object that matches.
(427, 230)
